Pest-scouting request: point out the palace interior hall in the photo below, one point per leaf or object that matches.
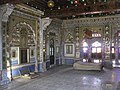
(60, 44)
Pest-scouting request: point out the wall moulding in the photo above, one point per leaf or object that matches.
(28, 9)
(90, 21)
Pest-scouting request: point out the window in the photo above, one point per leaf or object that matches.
(57, 49)
(113, 50)
(13, 53)
(96, 35)
(69, 49)
(98, 50)
(93, 50)
(32, 53)
(85, 50)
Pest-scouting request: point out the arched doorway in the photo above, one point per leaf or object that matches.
(21, 41)
(51, 51)
(96, 51)
(24, 51)
(52, 48)
(84, 51)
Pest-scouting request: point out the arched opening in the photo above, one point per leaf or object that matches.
(52, 48)
(20, 47)
(96, 51)
(84, 51)
(51, 51)
(23, 46)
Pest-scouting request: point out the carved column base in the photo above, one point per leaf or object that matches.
(108, 64)
(42, 67)
(4, 79)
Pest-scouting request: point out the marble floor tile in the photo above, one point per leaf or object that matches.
(66, 78)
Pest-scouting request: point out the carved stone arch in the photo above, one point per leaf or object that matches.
(57, 34)
(52, 29)
(26, 29)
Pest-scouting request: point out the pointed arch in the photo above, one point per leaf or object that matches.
(69, 38)
(85, 44)
(96, 44)
(20, 29)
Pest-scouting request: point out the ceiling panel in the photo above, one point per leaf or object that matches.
(71, 8)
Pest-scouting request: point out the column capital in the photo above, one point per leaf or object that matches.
(45, 22)
(6, 10)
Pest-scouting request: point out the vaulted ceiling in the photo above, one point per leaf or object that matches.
(66, 9)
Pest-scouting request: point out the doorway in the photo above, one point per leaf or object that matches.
(94, 52)
(23, 55)
(51, 51)
(84, 52)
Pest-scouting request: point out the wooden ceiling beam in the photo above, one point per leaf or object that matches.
(88, 9)
(14, 1)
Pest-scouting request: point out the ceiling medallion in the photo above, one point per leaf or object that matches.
(51, 3)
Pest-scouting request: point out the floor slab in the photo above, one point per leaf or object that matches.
(66, 78)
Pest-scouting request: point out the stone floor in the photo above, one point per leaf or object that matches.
(66, 78)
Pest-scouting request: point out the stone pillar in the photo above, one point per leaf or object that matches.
(5, 11)
(36, 60)
(107, 45)
(116, 50)
(77, 46)
(117, 44)
(43, 23)
(0, 41)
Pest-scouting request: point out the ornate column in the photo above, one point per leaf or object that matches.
(107, 45)
(1, 12)
(77, 45)
(117, 44)
(5, 11)
(43, 23)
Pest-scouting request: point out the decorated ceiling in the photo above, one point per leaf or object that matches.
(66, 9)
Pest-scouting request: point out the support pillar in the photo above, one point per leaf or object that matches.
(107, 45)
(5, 11)
(43, 23)
(42, 66)
(77, 45)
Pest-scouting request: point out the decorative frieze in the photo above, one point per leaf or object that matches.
(28, 9)
(90, 21)
(23, 14)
